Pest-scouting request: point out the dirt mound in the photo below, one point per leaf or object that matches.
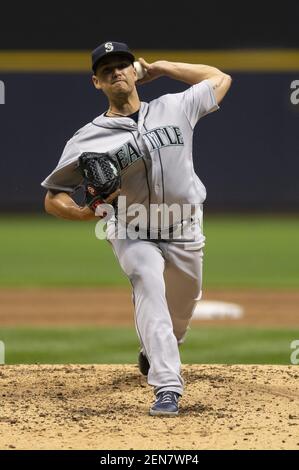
(106, 407)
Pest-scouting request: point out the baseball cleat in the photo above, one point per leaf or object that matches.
(143, 364)
(166, 404)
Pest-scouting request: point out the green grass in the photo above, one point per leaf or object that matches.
(120, 345)
(252, 251)
(43, 251)
(241, 251)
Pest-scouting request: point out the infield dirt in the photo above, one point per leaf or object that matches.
(106, 407)
(113, 306)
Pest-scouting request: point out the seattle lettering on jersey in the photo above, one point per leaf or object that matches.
(126, 155)
(156, 139)
(163, 137)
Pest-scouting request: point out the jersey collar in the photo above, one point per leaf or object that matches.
(123, 122)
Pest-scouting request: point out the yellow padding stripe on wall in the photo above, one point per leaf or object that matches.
(282, 60)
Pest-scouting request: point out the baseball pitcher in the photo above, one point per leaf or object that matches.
(138, 155)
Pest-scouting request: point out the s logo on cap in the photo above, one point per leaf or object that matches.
(109, 47)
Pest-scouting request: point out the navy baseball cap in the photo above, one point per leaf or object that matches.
(110, 48)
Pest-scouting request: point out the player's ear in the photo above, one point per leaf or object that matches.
(96, 82)
(135, 74)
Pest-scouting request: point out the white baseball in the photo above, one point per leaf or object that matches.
(141, 71)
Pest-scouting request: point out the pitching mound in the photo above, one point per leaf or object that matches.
(106, 407)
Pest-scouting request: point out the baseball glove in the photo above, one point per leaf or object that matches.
(101, 178)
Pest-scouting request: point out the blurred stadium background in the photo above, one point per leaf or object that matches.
(63, 297)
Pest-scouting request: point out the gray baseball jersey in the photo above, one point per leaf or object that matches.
(155, 158)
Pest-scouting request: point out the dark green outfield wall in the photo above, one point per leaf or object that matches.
(247, 153)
